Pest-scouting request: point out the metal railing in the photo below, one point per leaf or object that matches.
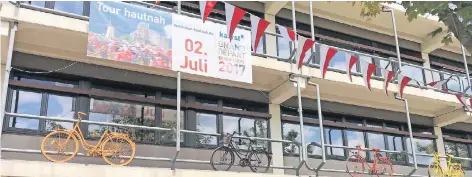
(171, 160)
(424, 75)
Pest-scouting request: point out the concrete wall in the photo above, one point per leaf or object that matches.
(139, 78)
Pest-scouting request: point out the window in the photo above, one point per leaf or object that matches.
(284, 48)
(422, 146)
(395, 143)
(414, 72)
(334, 137)
(38, 3)
(355, 138)
(121, 113)
(63, 107)
(206, 123)
(291, 132)
(246, 127)
(25, 102)
(74, 7)
(375, 140)
(169, 120)
(458, 150)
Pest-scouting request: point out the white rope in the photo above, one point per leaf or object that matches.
(45, 72)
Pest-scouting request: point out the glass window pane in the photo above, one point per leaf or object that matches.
(261, 45)
(292, 132)
(355, 138)
(121, 113)
(38, 3)
(334, 137)
(395, 143)
(338, 61)
(25, 102)
(423, 146)
(463, 152)
(63, 107)
(47, 82)
(74, 7)
(169, 120)
(452, 84)
(206, 123)
(283, 48)
(376, 141)
(415, 73)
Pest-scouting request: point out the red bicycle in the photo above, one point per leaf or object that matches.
(356, 164)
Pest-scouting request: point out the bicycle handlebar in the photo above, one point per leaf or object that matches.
(79, 114)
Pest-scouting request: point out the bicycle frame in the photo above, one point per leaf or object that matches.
(78, 133)
(376, 158)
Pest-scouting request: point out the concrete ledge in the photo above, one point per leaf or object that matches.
(49, 169)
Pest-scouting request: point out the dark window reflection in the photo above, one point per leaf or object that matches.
(169, 120)
(25, 102)
(121, 113)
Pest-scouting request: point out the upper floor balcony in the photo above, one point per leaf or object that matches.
(59, 30)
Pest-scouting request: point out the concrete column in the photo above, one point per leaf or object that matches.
(276, 133)
(427, 74)
(270, 40)
(440, 146)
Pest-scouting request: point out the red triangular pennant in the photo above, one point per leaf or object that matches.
(402, 82)
(205, 8)
(367, 71)
(463, 101)
(387, 76)
(327, 53)
(304, 44)
(286, 33)
(258, 26)
(233, 17)
(351, 61)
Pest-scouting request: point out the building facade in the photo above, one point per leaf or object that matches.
(52, 76)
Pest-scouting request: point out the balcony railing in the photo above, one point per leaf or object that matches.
(458, 83)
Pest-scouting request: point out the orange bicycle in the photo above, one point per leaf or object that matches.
(356, 164)
(61, 145)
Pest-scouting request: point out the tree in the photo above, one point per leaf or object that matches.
(290, 148)
(456, 15)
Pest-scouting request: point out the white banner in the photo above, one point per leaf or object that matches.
(204, 49)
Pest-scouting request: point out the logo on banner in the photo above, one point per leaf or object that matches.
(235, 37)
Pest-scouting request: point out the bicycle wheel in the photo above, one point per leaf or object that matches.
(355, 165)
(59, 146)
(259, 161)
(224, 156)
(117, 150)
(435, 170)
(386, 167)
(456, 171)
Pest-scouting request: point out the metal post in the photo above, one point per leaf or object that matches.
(6, 79)
(300, 115)
(294, 25)
(397, 46)
(320, 118)
(177, 131)
(415, 165)
(466, 67)
(311, 21)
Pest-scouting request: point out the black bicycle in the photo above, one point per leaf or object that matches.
(258, 159)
